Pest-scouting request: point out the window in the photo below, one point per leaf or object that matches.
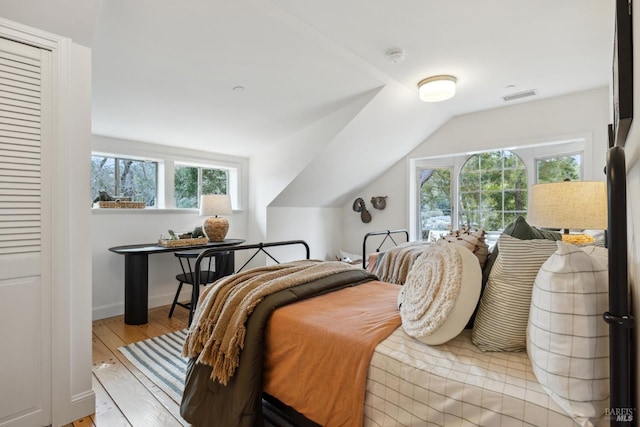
(560, 168)
(190, 182)
(493, 190)
(124, 178)
(489, 189)
(435, 202)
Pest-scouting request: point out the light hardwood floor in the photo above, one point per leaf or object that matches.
(124, 396)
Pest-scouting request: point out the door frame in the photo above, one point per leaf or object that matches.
(55, 224)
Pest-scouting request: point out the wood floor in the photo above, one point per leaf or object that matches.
(124, 396)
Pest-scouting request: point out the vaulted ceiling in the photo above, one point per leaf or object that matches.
(235, 77)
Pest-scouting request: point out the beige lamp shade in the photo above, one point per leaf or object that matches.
(577, 205)
(212, 205)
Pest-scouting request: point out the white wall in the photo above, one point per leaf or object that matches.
(319, 227)
(272, 170)
(391, 184)
(77, 178)
(581, 115)
(116, 228)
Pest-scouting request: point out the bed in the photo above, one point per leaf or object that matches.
(406, 381)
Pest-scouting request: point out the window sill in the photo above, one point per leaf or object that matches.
(145, 211)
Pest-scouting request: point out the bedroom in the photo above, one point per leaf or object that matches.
(334, 226)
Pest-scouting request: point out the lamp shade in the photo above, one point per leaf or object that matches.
(578, 205)
(215, 204)
(437, 88)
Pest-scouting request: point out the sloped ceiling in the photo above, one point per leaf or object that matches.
(237, 77)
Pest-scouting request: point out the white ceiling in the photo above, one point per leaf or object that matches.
(165, 71)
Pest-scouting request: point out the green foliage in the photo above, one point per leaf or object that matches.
(186, 187)
(493, 188)
(214, 181)
(435, 200)
(558, 169)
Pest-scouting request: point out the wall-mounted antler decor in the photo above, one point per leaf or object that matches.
(359, 206)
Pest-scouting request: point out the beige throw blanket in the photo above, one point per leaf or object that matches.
(217, 333)
(396, 262)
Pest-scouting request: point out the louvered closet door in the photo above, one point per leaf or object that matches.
(25, 300)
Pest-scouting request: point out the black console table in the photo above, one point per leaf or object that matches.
(136, 273)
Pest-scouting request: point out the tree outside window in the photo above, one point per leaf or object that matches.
(124, 178)
(435, 202)
(493, 190)
(191, 182)
(560, 168)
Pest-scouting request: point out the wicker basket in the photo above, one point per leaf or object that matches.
(120, 205)
(182, 242)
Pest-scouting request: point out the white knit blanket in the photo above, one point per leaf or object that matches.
(431, 289)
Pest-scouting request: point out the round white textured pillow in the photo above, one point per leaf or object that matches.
(468, 284)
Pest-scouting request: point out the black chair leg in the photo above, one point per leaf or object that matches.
(175, 300)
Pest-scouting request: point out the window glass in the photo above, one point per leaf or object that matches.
(103, 176)
(124, 178)
(138, 180)
(435, 202)
(561, 168)
(214, 181)
(493, 190)
(186, 187)
(191, 182)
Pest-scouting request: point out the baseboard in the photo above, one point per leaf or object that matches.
(117, 309)
(83, 404)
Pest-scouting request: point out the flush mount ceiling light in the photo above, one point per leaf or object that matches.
(437, 88)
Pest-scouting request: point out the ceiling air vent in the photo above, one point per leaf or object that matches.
(518, 95)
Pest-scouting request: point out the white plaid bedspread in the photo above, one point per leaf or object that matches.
(454, 384)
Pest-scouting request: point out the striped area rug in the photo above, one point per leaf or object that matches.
(160, 359)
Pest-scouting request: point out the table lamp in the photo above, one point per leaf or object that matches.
(212, 205)
(578, 205)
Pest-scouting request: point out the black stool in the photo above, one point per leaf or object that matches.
(210, 271)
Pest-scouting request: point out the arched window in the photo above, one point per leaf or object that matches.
(493, 190)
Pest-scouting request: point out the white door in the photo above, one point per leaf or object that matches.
(25, 298)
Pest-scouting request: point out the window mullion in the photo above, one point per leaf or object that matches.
(199, 186)
(116, 168)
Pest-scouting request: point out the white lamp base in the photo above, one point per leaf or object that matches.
(215, 228)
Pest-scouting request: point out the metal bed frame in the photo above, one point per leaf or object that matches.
(388, 234)
(258, 248)
(622, 358)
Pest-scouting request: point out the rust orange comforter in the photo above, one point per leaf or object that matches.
(318, 350)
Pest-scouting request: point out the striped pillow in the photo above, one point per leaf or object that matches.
(501, 321)
(567, 340)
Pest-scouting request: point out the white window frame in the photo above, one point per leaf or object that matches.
(528, 154)
(124, 157)
(232, 179)
(167, 158)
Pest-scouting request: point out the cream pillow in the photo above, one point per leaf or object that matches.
(440, 294)
(567, 339)
(501, 321)
(474, 240)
